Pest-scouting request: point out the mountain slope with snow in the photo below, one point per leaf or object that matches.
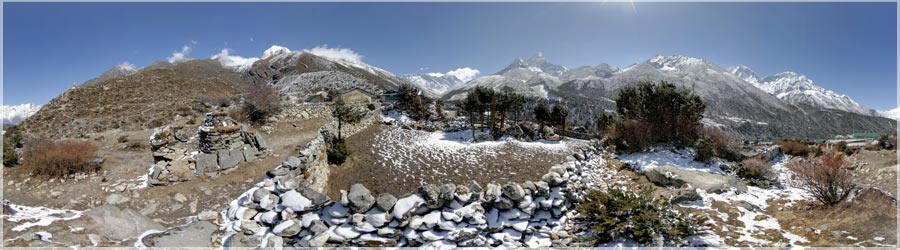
(534, 77)
(122, 69)
(893, 113)
(14, 114)
(796, 88)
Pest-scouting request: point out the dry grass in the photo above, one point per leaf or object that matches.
(755, 168)
(60, 159)
(795, 148)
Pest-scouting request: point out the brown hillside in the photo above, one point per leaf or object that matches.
(147, 99)
(268, 69)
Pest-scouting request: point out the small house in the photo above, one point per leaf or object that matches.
(356, 95)
(391, 96)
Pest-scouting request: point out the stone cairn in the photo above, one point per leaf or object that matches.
(285, 211)
(221, 143)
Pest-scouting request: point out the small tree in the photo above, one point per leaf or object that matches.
(260, 102)
(345, 114)
(825, 177)
(542, 115)
(673, 115)
(603, 121)
(559, 115)
(10, 157)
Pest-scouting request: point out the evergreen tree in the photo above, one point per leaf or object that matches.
(345, 114)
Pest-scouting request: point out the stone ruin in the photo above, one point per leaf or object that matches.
(220, 143)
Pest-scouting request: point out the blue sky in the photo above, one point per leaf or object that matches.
(850, 48)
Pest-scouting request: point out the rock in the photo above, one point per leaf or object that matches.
(204, 162)
(195, 234)
(346, 231)
(278, 171)
(361, 199)
(448, 192)
(378, 219)
(287, 228)
(115, 199)
(260, 142)
(283, 184)
(463, 194)
(229, 158)
(578, 156)
(385, 201)
(179, 197)
(319, 240)
(432, 219)
(269, 201)
(685, 195)
(405, 205)
(293, 162)
(117, 224)
(249, 154)
(434, 235)
(432, 196)
(529, 187)
(513, 191)
(318, 199)
(504, 203)
(536, 241)
(294, 201)
(542, 189)
(492, 193)
(475, 189)
(709, 182)
(552, 178)
(240, 241)
(259, 194)
(207, 215)
(318, 227)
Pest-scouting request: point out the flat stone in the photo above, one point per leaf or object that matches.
(514, 192)
(204, 162)
(476, 190)
(709, 182)
(385, 201)
(294, 201)
(287, 228)
(115, 199)
(432, 196)
(405, 205)
(318, 199)
(492, 193)
(361, 199)
(229, 158)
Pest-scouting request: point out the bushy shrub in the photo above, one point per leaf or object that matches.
(630, 135)
(639, 216)
(60, 158)
(841, 146)
(337, 152)
(794, 148)
(10, 157)
(715, 142)
(673, 115)
(756, 171)
(825, 177)
(260, 102)
(122, 139)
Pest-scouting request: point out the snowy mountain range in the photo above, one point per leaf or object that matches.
(796, 88)
(14, 114)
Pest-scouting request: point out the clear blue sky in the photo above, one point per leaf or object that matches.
(850, 48)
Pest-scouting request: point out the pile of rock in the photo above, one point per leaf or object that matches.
(220, 143)
(284, 210)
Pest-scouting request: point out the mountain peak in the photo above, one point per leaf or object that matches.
(537, 64)
(745, 73)
(678, 62)
(274, 51)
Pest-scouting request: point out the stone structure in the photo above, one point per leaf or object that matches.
(220, 143)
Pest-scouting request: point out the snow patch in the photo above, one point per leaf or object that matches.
(37, 216)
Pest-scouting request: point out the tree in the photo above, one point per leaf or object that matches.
(542, 115)
(603, 121)
(406, 95)
(345, 114)
(672, 114)
(485, 97)
(558, 115)
(470, 105)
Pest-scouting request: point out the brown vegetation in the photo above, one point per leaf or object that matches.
(755, 170)
(794, 148)
(62, 158)
(826, 177)
(715, 142)
(260, 102)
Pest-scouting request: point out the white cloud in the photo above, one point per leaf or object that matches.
(464, 74)
(236, 63)
(127, 66)
(14, 114)
(341, 54)
(424, 68)
(193, 42)
(251, 39)
(180, 56)
(436, 74)
(893, 113)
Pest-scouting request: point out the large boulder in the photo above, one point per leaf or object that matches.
(361, 200)
(116, 223)
(432, 196)
(204, 162)
(670, 176)
(229, 158)
(385, 201)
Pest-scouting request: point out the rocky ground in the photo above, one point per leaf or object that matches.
(114, 207)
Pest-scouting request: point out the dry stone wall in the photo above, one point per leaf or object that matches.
(289, 209)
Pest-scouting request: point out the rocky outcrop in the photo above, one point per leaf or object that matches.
(709, 182)
(218, 144)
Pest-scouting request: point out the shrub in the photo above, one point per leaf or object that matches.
(841, 146)
(630, 135)
(122, 139)
(371, 106)
(673, 115)
(756, 171)
(715, 142)
(135, 146)
(826, 177)
(10, 157)
(794, 148)
(260, 102)
(337, 152)
(639, 216)
(60, 158)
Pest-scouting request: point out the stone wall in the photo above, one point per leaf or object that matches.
(288, 209)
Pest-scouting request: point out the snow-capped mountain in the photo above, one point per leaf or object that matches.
(796, 88)
(14, 114)
(532, 77)
(434, 84)
(893, 113)
(122, 69)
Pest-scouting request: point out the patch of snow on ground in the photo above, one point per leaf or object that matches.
(753, 216)
(666, 156)
(37, 216)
